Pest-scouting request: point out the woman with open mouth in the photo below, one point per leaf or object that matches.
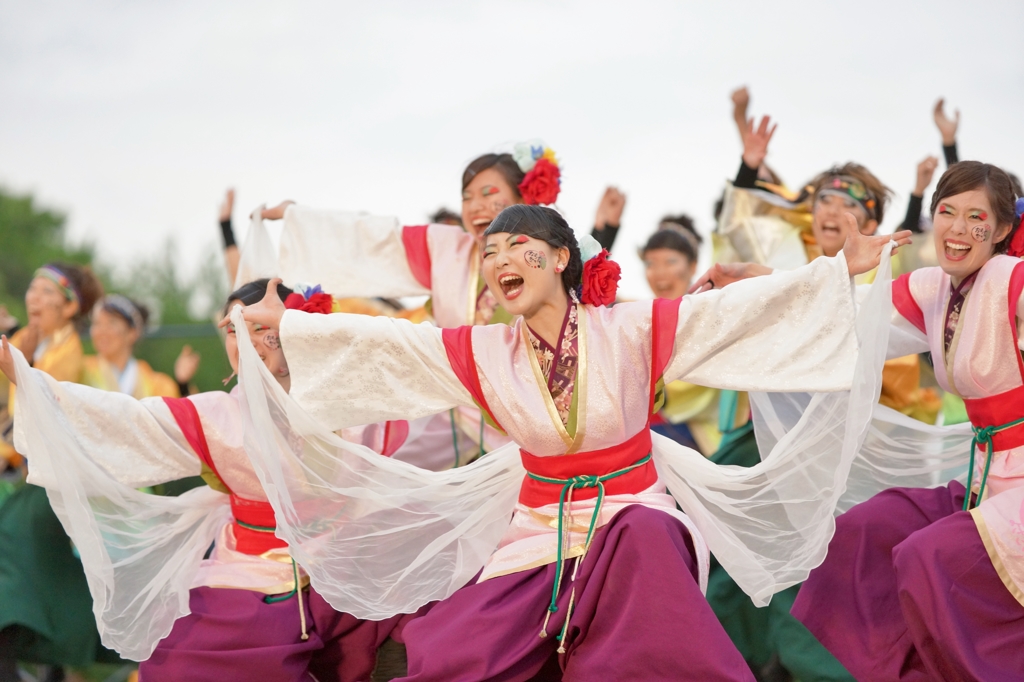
(914, 586)
(365, 256)
(583, 565)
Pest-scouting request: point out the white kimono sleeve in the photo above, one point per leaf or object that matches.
(347, 254)
(140, 552)
(377, 536)
(348, 370)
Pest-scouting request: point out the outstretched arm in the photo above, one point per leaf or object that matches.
(348, 370)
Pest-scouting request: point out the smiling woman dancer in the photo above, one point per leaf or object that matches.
(914, 587)
(383, 258)
(574, 383)
(244, 611)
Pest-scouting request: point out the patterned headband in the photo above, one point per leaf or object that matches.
(125, 307)
(55, 275)
(849, 187)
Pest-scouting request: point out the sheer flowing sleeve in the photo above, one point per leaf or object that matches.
(348, 370)
(348, 254)
(377, 536)
(788, 331)
(140, 552)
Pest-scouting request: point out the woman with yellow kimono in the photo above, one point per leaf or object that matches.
(574, 384)
(45, 607)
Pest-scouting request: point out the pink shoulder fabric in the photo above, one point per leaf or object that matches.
(458, 344)
(664, 320)
(1016, 287)
(905, 303)
(417, 252)
(395, 434)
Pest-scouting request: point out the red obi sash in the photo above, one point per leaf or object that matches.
(534, 493)
(997, 410)
(254, 521)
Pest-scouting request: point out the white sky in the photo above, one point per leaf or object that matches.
(134, 117)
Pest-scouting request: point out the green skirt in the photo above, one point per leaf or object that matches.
(764, 634)
(45, 605)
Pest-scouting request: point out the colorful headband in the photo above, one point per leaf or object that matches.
(309, 300)
(849, 187)
(125, 307)
(600, 275)
(543, 177)
(54, 274)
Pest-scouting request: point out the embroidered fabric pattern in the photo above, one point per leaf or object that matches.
(486, 304)
(957, 297)
(559, 366)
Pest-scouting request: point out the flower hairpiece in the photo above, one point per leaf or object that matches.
(1016, 248)
(309, 299)
(543, 176)
(600, 274)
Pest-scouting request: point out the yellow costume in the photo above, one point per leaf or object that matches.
(99, 373)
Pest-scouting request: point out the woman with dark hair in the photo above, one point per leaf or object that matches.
(243, 612)
(928, 583)
(118, 323)
(598, 575)
(354, 255)
(45, 609)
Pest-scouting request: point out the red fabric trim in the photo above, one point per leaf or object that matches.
(417, 252)
(1016, 287)
(395, 434)
(185, 414)
(254, 513)
(905, 303)
(999, 409)
(664, 320)
(458, 344)
(248, 511)
(534, 493)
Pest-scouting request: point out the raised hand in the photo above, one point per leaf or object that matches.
(863, 252)
(755, 141)
(268, 312)
(925, 173)
(609, 211)
(228, 205)
(186, 365)
(946, 125)
(7, 360)
(721, 275)
(7, 321)
(277, 212)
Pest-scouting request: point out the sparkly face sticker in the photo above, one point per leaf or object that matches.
(536, 259)
(981, 233)
(271, 341)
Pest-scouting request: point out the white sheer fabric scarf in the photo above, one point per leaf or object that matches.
(140, 552)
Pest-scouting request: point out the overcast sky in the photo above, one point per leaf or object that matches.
(134, 117)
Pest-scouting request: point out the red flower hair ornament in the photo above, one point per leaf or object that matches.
(1016, 248)
(600, 274)
(543, 177)
(310, 300)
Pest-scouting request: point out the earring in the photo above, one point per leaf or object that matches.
(559, 268)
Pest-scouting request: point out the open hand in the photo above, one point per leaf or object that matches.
(863, 252)
(721, 275)
(925, 173)
(268, 312)
(186, 365)
(609, 211)
(277, 212)
(946, 125)
(7, 360)
(755, 141)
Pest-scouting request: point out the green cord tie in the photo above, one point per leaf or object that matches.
(455, 437)
(983, 436)
(564, 499)
(275, 599)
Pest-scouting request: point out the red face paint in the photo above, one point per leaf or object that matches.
(521, 239)
(983, 216)
(942, 207)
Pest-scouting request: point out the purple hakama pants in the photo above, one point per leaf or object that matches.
(908, 592)
(234, 635)
(639, 615)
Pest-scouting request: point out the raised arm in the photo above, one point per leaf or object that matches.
(355, 254)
